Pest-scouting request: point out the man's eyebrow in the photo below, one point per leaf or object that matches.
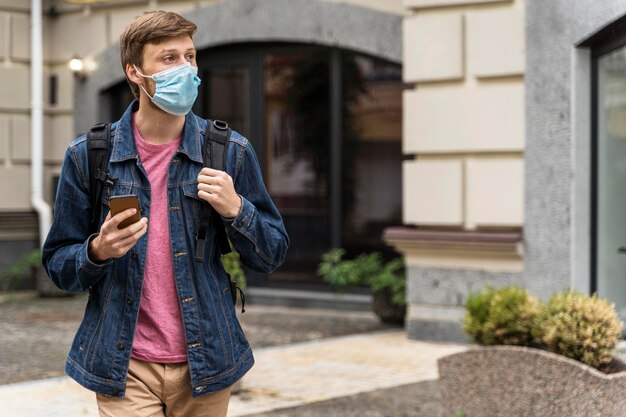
(163, 51)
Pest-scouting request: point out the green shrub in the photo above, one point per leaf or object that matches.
(477, 310)
(581, 327)
(12, 274)
(501, 317)
(365, 270)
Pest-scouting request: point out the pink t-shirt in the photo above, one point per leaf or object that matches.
(159, 336)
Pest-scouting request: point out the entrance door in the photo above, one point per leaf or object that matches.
(611, 178)
(333, 187)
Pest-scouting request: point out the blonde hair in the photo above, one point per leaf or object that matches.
(151, 27)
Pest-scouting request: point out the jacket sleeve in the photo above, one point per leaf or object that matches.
(257, 232)
(64, 254)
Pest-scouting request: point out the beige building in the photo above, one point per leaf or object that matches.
(463, 186)
(462, 111)
(459, 129)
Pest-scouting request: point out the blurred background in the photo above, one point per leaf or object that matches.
(484, 141)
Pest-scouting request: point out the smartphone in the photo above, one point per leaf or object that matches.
(120, 203)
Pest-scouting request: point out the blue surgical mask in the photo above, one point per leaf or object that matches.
(176, 88)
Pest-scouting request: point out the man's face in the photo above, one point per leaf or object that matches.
(165, 55)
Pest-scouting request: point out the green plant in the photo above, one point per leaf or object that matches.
(366, 269)
(459, 413)
(12, 274)
(477, 310)
(501, 317)
(232, 266)
(579, 326)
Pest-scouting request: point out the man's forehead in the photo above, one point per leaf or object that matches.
(183, 43)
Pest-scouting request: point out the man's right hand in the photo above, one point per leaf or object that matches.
(112, 242)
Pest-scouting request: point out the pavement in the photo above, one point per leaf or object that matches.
(283, 377)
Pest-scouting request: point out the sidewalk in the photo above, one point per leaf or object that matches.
(284, 376)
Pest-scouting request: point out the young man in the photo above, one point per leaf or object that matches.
(160, 336)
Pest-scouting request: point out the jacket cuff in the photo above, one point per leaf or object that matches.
(242, 220)
(87, 264)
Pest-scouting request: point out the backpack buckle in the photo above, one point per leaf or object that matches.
(99, 126)
(220, 125)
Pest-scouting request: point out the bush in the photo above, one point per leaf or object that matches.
(581, 327)
(14, 273)
(367, 269)
(501, 317)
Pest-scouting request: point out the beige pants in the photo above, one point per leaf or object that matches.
(162, 390)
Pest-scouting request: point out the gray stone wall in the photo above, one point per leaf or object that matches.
(557, 203)
(436, 297)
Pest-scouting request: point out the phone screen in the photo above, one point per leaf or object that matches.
(122, 202)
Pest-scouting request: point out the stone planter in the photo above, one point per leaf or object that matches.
(503, 381)
(388, 312)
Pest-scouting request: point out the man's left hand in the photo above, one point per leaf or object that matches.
(217, 188)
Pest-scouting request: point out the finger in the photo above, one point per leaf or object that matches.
(210, 188)
(123, 244)
(123, 215)
(104, 226)
(208, 197)
(205, 179)
(221, 178)
(135, 228)
(210, 172)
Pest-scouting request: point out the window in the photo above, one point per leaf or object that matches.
(609, 184)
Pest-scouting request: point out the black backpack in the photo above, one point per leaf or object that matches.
(216, 140)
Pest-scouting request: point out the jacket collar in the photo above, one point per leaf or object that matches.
(124, 143)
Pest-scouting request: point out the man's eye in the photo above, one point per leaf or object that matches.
(190, 57)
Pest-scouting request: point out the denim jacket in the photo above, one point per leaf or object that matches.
(217, 350)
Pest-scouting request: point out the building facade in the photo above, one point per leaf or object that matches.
(525, 136)
(483, 138)
(315, 85)
(464, 134)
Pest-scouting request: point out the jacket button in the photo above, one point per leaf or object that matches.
(133, 255)
(129, 301)
(121, 346)
(115, 391)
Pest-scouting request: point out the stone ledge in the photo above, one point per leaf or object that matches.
(493, 251)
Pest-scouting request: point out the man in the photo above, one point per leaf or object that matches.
(160, 336)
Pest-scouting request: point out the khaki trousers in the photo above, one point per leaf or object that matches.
(162, 390)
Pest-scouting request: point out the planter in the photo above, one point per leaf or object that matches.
(503, 381)
(387, 311)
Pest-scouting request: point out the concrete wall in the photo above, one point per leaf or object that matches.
(464, 124)
(558, 97)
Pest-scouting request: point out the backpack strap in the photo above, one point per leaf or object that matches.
(98, 139)
(216, 140)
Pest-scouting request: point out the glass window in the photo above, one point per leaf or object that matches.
(225, 90)
(611, 178)
(296, 120)
(372, 151)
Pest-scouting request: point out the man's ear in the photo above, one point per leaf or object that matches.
(133, 75)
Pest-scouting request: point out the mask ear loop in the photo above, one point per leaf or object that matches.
(140, 85)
